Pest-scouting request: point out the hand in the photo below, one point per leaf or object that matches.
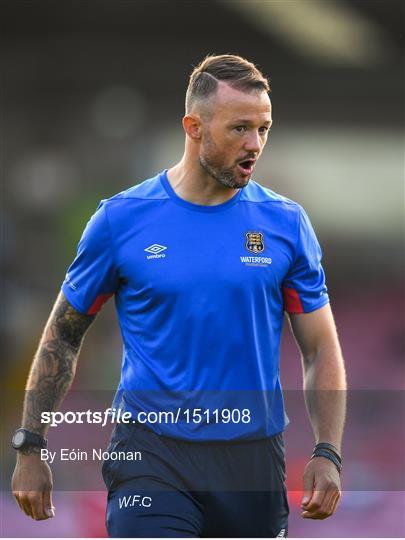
(32, 486)
(321, 489)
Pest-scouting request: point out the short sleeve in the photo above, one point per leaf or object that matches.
(92, 278)
(304, 288)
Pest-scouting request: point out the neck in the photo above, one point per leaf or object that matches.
(193, 184)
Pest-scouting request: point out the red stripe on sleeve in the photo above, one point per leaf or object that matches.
(292, 301)
(98, 303)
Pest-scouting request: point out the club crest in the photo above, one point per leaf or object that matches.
(254, 242)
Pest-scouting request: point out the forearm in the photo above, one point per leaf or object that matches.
(50, 377)
(54, 364)
(325, 397)
(325, 394)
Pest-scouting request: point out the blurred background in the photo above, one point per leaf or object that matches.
(92, 99)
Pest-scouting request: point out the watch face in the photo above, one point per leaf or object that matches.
(18, 438)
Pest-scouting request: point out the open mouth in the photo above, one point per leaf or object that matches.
(246, 167)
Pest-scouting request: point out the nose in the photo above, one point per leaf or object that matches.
(253, 142)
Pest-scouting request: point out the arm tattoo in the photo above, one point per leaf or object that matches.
(54, 364)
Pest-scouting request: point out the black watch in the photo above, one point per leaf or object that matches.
(23, 438)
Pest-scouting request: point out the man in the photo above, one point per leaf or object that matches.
(203, 261)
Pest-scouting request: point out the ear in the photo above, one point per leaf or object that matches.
(192, 126)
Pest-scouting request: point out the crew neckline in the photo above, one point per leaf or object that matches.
(193, 206)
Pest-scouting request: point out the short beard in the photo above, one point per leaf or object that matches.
(223, 176)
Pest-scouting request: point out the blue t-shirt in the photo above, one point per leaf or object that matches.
(200, 293)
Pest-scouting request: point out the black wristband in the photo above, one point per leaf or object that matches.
(330, 448)
(22, 439)
(328, 455)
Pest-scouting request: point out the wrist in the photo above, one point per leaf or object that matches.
(27, 458)
(329, 447)
(29, 451)
(28, 442)
(329, 455)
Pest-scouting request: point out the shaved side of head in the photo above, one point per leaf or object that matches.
(231, 69)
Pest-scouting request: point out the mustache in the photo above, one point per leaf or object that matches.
(249, 157)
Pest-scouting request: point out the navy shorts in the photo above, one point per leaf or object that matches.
(194, 489)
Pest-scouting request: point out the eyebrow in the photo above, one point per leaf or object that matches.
(245, 121)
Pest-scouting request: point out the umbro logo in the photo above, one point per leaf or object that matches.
(156, 250)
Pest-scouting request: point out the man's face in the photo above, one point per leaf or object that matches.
(234, 135)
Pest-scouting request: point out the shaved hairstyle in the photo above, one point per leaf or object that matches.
(234, 70)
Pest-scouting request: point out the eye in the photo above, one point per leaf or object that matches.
(263, 130)
(240, 129)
